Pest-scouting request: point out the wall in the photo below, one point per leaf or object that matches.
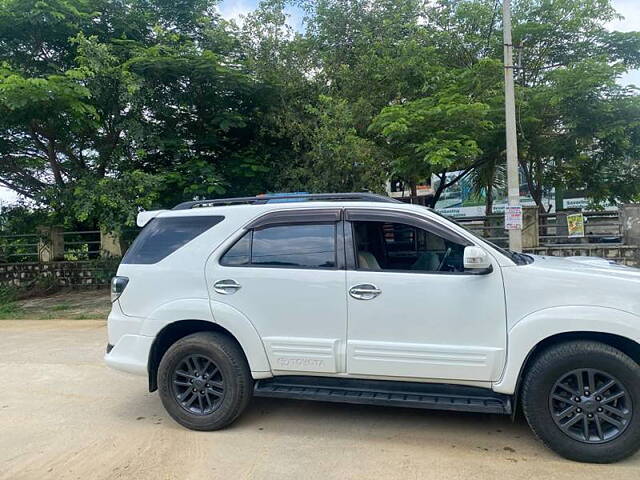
(624, 254)
(77, 274)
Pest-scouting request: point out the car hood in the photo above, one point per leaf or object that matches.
(550, 282)
(608, 269)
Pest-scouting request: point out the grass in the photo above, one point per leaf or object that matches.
(63, 305)
(60, 307)
(9, 310)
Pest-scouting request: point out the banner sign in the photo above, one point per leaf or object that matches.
(575, 224)
(513, 217)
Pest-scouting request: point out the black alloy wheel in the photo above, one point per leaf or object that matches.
(204, 381)
(579, 397)
(590, 405)
(198, 385)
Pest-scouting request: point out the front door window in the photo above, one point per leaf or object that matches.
(400, 247)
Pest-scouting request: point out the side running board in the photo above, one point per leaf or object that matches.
(390, 393)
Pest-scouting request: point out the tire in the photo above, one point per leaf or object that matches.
(223, 386)
(558, 417)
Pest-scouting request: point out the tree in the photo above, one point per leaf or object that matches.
(335, 158)
(567, 66)
(110, 107)
(373, 53)
(571, 112)
(434, 135)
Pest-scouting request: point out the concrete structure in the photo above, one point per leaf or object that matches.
(86, 273)
(630, 221)
(51, 244)
(530, 227)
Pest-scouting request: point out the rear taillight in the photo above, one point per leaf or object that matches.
(118, 285)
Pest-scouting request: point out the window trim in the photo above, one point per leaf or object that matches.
(294, 217)
(371, 215)
(339, 263)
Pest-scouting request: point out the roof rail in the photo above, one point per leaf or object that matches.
(274, 198)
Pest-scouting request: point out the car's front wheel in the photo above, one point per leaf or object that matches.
(204, 381)
(582, 399)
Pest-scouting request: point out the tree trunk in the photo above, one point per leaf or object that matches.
(431, 202)
(55, 167)
(488, 200)
(413, 195)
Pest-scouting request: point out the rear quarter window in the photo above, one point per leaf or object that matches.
(163, 236)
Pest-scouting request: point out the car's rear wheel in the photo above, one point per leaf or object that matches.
(582, 399)
(204, 381)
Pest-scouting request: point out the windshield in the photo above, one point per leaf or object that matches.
(516, 257)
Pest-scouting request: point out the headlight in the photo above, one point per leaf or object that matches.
(118, 285)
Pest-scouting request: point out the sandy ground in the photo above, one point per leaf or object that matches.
(64, 414)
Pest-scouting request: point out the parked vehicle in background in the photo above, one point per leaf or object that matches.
(361, 299)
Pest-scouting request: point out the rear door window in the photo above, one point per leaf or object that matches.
(298, 246)
(163, 236)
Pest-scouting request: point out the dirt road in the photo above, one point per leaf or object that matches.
(63, 414)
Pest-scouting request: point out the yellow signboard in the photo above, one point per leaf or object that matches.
(575, 223)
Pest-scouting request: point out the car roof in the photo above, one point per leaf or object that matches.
(294, 197)
(229, 210)
(249, 206)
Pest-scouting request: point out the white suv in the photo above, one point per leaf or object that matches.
(358, 298)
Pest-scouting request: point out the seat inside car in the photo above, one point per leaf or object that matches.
(368, 239)
(429, 259)
(367, 261)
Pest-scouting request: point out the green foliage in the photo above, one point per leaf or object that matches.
(432, 134)
(108, 107)
(8, 294)
(576, 126)
(110, 199)
(335, 157)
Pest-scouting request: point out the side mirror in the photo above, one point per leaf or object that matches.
(476, 260)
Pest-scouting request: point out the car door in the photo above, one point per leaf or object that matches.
(412, 309)
(285, 273)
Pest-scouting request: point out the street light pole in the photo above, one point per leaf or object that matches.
(513, 177)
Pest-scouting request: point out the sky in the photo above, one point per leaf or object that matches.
(236, 8)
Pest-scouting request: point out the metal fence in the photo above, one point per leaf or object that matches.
(55, 244)
(602, 227)
(19, 248)
(85, 245)
(599, 227)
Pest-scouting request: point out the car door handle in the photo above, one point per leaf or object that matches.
(364, 291)
(226, 287)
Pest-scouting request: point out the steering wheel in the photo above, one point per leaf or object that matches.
(444, 259)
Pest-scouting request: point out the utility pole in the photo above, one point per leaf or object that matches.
(513, 176)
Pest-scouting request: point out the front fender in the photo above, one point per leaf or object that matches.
(226, 316)
(537, 326)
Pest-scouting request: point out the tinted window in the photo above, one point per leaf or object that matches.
(239, 253)
(163, 236)
(302, 245)
(398, 246)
